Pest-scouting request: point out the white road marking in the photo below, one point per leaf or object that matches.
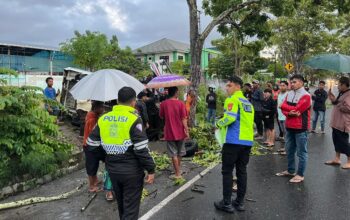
(163, 203)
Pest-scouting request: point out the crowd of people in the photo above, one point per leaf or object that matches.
(120, 137)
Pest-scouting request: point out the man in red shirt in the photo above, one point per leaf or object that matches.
(173, 111)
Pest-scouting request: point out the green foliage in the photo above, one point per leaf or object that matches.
(179, 181)
(238, 56)
(162, 160)
(93, 51)
(202, 105)
(280, 70)
(305, 28)
(209, 149)
(144, 194)
(180, 67)
(255, 150)
(29, 141)
(143, 73)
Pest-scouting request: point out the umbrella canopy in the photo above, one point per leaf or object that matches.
(103, 85)
(168, 80)
(334, 62)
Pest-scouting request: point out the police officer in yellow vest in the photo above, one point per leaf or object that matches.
(122, 135)
(236, 133)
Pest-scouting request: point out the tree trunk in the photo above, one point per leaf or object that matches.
(197, 40)
(196, 50)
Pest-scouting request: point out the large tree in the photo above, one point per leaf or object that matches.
(305, 28)
(237, 57)
(94, 51)
(197, 39)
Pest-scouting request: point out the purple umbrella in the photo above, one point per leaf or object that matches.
(170, 80)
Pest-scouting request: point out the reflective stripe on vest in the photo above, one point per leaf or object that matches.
(241, 131)
(115, 129)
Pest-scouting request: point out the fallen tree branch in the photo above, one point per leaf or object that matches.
(88, 203)
(34, 200)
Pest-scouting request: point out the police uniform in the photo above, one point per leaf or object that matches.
(237, 133)
(122, 136)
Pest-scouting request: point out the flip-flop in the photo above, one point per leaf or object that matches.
(96, 190)
(332, 163)
(285, 173)
(109, 198)
(283, 153)
(296, 179)
(173, 177)
(345, 168)
(234, 188)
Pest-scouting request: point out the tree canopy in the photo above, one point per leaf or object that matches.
(93, 51)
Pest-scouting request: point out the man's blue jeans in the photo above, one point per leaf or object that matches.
(322, 115)
(211, 115)
(296, 143)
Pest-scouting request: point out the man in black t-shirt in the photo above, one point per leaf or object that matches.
(319, 98)
(211, 104)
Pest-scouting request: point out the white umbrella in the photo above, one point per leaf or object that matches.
(103, 85)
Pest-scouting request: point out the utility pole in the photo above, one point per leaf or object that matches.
(9, 55)
(52, 54)
(275, 72)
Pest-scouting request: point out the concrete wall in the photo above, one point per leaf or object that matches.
(33, 80)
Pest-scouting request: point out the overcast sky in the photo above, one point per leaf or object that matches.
(135, 22)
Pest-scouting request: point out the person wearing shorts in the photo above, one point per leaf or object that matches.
(176, 148)
(173, 111)
(94, 154)
(269, 110)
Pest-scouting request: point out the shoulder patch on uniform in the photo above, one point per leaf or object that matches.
(139, 127)
(229, 106)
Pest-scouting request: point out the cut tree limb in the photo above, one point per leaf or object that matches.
(34, 200)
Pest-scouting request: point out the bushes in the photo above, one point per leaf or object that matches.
(209, 149)
(201, 110)
(30, 140)
(162, 161)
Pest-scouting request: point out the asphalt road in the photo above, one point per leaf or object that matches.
(325, 193)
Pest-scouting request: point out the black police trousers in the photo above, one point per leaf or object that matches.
(234, 156)
(128, 190)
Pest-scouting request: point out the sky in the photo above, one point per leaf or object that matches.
(135, 22)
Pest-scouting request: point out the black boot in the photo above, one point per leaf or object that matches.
(226, 207)
(238, 206)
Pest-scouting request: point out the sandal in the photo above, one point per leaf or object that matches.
(173, 177)
(285, 173)
(95, 190)
(332, 163)
(283, 153)
(297, 179)
(346, 167)
(234, 188)
(109, 196)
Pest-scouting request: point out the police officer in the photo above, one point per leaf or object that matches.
(122, 136)
(236, 131)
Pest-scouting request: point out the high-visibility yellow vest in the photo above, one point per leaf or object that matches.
(237, 125)
(115, 129)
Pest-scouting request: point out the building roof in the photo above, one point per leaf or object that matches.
(40, 47)
(72, 69)
(161, 46)
(23, 49)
